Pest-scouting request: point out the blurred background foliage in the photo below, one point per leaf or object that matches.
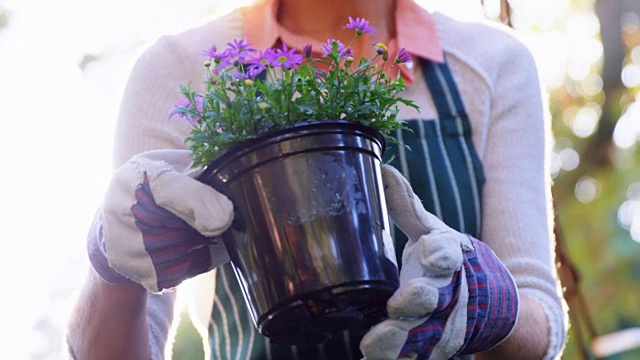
(596, 125)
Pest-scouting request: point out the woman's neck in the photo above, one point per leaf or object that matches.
(326, 19)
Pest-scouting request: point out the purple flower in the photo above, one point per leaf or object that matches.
(210, 52)
(261, 61)
(328, 47)
(361, 26)
(221, 59)
(183, 105)
(239, 49)
(285, 57)
(239, 45)
(184, 102)
(213, 54)
(348, 53)
(403, 57)
(250, 74)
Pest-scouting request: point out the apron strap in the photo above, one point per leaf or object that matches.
(444, 90)
(454, 123)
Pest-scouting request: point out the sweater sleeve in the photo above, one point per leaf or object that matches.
(502, 92)
(517, 214)
(143, 124)
(160, 309)
(153, 87)
(150, 93)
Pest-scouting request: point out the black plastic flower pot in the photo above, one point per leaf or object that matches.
(310, 256)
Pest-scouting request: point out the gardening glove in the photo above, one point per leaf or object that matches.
(158, 225)
(455, 296)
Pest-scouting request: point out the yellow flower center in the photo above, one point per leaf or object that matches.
(382, 46)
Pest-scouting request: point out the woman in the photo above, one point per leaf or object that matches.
(481, 118)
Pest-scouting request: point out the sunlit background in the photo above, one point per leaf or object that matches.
(63, 66)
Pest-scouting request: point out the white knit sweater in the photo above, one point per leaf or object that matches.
(499, 84)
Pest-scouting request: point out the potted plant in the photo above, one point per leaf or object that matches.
(296, 143)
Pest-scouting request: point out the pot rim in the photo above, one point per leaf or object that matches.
(264, 139)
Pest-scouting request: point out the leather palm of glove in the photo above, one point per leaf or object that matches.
(158, 225)
(455, 297)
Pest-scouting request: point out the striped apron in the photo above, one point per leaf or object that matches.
(444, 170)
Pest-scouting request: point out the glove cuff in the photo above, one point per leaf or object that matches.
(497, 300)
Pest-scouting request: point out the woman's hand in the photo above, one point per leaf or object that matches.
(455, 296)
(159, 226)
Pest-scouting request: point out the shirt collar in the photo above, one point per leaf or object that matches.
(422, 43)
(263, 30)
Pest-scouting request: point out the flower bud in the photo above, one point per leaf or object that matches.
(306, 51)
(348, 61)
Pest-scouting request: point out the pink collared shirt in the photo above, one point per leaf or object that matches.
(264, 31)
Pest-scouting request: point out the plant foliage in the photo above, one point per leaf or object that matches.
(249, 92)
